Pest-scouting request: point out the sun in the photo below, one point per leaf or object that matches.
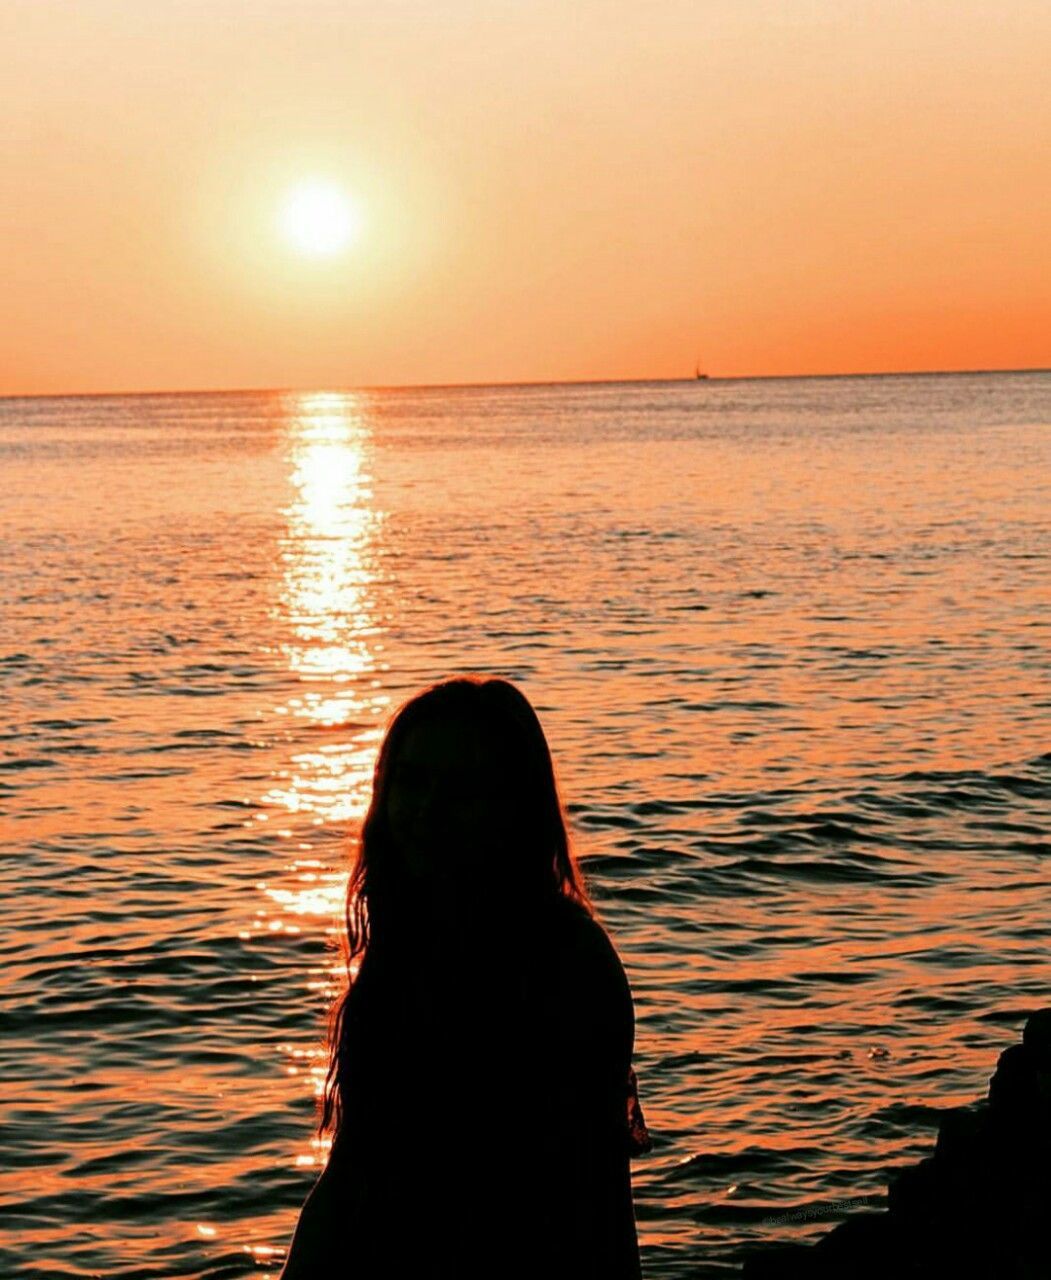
(318, 219)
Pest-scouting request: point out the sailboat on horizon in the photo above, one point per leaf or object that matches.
(700, 377)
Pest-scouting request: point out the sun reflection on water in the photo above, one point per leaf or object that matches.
(328, 575)
(326, 599)
(326, 610)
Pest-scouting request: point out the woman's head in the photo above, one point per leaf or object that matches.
(458, 776)
(465, 822)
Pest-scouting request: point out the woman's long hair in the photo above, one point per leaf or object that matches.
(534, 839)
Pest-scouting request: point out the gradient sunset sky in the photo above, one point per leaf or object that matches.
(541, 190)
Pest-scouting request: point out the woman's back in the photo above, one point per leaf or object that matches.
(487, 1104)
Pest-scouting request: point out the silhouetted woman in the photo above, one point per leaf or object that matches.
(480, 1091)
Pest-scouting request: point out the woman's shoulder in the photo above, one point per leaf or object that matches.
(597, 1018)
(584, 939)
(592, 978)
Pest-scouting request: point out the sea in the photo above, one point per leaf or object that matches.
(789, 640)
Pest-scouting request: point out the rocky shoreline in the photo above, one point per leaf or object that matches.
(978, 1208)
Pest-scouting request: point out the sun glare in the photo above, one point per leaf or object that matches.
(318, 219)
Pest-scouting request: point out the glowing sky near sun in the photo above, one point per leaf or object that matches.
(538, 191)
(318, 218)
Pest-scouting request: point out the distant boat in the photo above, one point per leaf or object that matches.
(698, 374)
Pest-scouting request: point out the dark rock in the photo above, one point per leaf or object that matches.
(1014, 1091)
(1037, 1038)
(873, 1237)
(777, 1262)
(913, 1192)
(968, 1159)
(961, 1135)
(978, 1208)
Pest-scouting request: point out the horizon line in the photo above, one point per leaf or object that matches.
(550, 382)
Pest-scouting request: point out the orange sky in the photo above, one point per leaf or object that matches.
(548, 190)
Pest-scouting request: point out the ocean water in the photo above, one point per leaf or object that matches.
(789, 640)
